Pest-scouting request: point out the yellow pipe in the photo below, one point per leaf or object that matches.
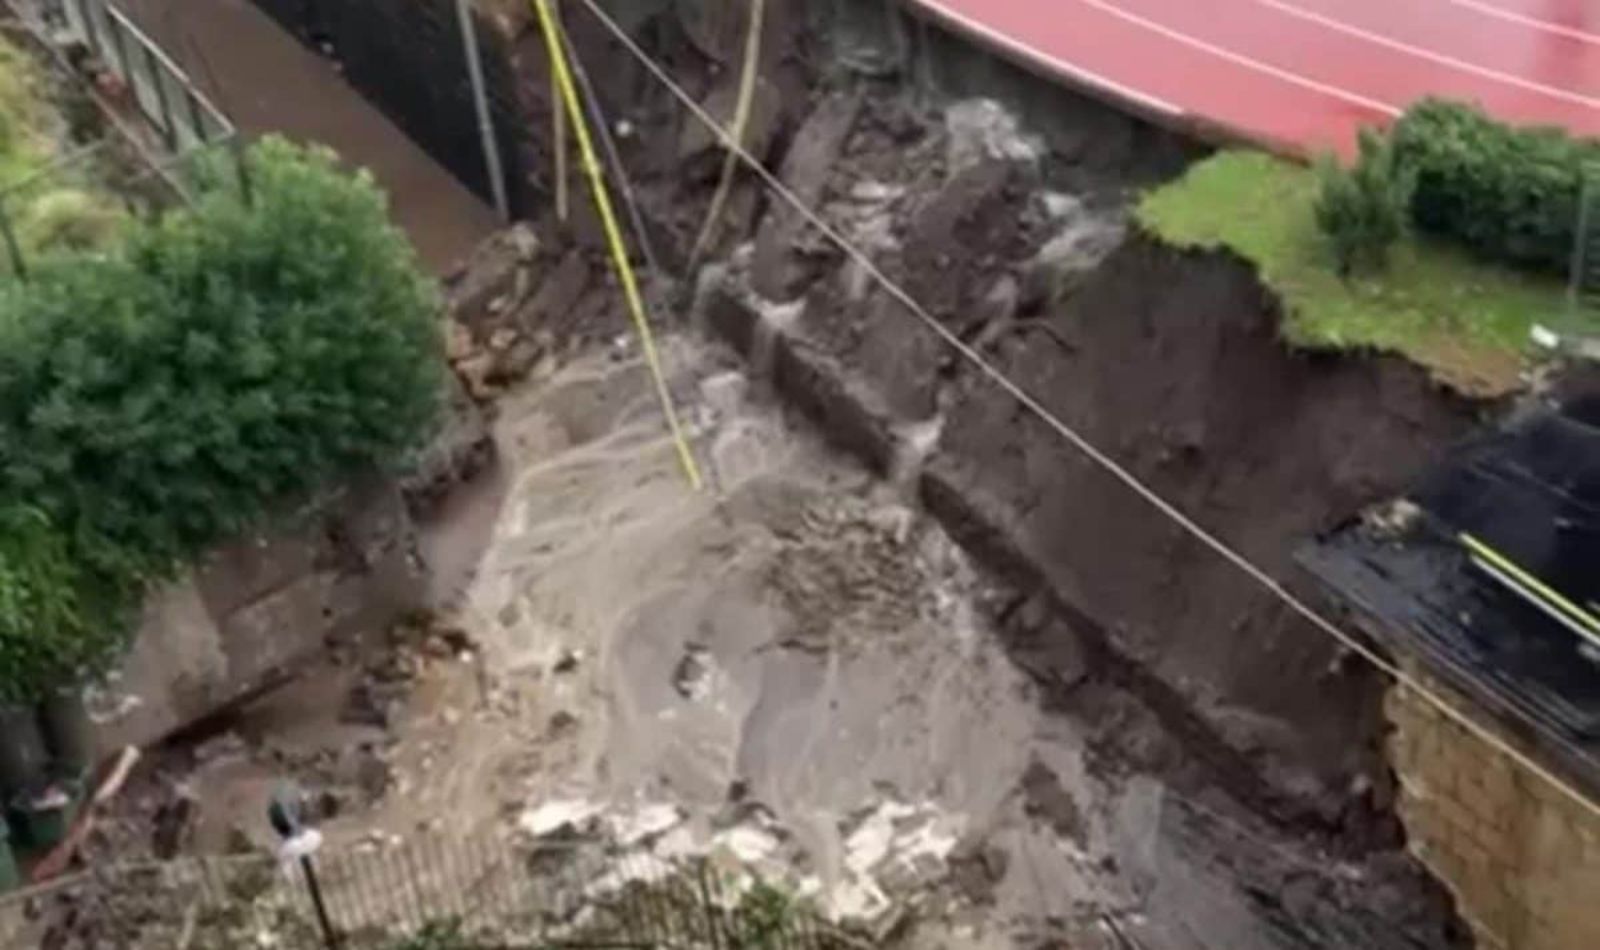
(614, 242)
(1551, 597)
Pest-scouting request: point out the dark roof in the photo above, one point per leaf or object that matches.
(1531, 492)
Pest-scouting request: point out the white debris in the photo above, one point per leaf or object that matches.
(981, 129)
(555, 816)
(630, 828)
(1544, 337)
(749, 845)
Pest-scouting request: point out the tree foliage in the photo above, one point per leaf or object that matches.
(1510, 194)
(1362, 210)
(227, 361)
(57, 625)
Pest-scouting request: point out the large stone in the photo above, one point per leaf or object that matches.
(806, 170)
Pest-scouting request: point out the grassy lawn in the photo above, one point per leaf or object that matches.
(1467, 322)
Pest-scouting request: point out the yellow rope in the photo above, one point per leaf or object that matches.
(1552, 598)
(741, 118)
(614, 242)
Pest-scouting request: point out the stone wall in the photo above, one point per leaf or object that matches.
(256, 609)
(1522, 858)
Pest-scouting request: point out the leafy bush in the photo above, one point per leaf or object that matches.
(1362, 210)
(228, 361)
(437, 935)
(70, 219)
(57, 625)
(1510, 194)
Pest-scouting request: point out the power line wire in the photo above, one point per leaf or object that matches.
(1271, 584)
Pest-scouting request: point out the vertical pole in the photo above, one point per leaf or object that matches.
(1580, 246)
(480, 102)
(330, 938)
(19, 266)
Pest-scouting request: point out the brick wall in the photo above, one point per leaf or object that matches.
(1522, 859)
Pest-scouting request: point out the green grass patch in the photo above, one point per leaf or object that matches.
(1466, 321)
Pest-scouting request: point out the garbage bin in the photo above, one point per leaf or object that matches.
(23, 756)
(41, 816)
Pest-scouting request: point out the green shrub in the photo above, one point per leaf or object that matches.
(1362, 210)
(70, 219)
(1509, 194)
(227, 362)
(57, 624)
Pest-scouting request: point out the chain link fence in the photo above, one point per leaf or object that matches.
(422, 895)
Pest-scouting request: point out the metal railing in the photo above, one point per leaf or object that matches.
(438, 894)
(161, 90)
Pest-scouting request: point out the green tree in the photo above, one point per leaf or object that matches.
(1363, 210)
(225, 363)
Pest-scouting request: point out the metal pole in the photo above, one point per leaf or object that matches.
(330, 938)
(1580, 247)
(480, 102)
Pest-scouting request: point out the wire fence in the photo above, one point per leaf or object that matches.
(155, 141)
(150, 80)
(422, 895)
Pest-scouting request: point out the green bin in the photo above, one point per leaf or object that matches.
(42, 816)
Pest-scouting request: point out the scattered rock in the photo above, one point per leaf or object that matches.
(634, 828)
(562, 724)
(692, 676)
(1045, 799)
(562, 817)
(227, 746)
(980, 130)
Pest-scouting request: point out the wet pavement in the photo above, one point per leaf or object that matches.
(268, 82)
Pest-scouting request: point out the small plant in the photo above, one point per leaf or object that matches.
(58, 624)
(1363, 210)
(437, 935)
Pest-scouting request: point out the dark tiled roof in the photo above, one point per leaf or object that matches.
(1530, 491)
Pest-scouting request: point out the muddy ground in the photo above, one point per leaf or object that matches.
(910, 655)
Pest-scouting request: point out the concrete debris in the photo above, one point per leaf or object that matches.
(567, 816)
(631, 828)
(748, 844)
(982, 130)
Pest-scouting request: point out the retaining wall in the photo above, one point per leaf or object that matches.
(254, 610)
(1522, 859)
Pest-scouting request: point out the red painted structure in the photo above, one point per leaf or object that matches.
(1303, 75)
